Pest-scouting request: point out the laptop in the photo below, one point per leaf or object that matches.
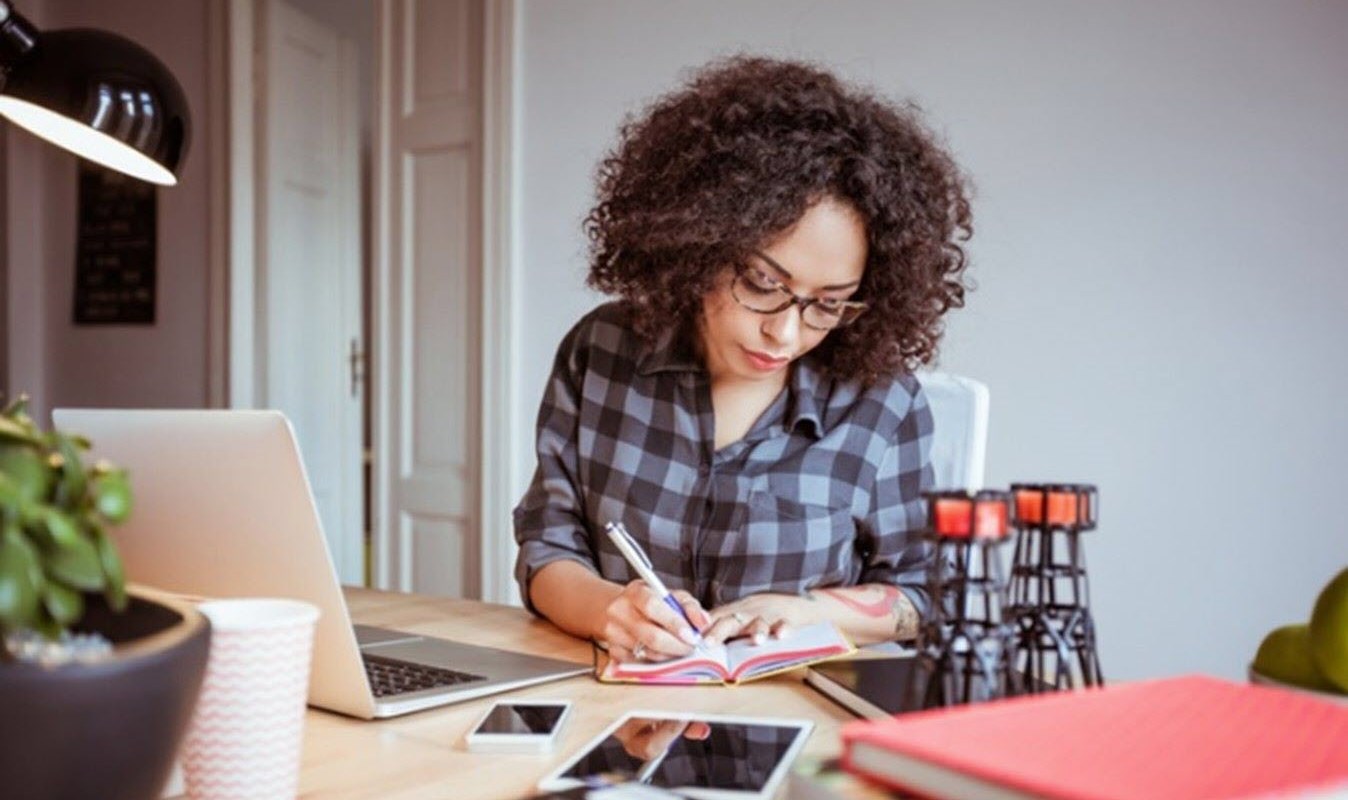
(222, 508)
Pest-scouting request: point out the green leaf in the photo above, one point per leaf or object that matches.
(113, 496)
(78, 567)
(36, 573)
(76, 564)
(65, 532)
(73, 479)
(18, 590)
(115, 592)
(32, 518)
(13, 431)
(10, 495)
(25, 540)
(26, 470)
(47, 627)
(63, 605)
(18, 406)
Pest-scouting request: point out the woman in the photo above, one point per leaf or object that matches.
(782, 247)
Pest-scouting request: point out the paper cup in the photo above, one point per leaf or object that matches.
(245, 739)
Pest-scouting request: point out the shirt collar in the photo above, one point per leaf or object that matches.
(672, 351)
(806, 384)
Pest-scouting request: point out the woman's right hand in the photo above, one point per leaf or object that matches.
(647, 738)
(639, 626)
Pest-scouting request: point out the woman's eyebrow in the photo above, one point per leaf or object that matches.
(789, 276)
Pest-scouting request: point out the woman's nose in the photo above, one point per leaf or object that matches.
(784, 326)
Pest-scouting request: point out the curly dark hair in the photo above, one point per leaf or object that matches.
(734, 158)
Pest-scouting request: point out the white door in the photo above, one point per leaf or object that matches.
(428, 179)
(308, 228)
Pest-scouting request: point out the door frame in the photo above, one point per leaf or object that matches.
(500, 270)
(218, 131)
(235, 375)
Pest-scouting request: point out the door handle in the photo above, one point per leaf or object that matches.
(356, 361)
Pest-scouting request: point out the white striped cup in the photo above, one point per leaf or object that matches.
(246, 736)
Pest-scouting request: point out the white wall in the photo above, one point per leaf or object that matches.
(1161, 302)
(57, 362)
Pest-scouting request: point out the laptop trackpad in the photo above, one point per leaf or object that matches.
(370, 636)
(495, 664)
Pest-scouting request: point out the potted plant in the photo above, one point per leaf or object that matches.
(97, 683)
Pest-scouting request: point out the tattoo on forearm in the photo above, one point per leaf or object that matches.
(905, 617)
(873, 601)
(879, 601)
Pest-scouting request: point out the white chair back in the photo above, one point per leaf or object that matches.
(959, 410)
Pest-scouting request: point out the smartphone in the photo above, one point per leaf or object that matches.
(525, 727)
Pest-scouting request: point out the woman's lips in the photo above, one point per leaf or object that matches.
(763, 361)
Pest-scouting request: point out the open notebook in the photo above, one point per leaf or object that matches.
(739, 660)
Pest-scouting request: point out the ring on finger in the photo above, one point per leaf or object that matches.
(739, 617)
(639, 652)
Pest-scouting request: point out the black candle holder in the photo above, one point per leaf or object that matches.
(1055, 645)
(965, 643)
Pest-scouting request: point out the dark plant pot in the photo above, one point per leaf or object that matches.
(108, 730)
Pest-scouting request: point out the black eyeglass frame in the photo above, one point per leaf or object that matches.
(848, 310)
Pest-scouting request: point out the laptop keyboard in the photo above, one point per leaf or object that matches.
(389, 676)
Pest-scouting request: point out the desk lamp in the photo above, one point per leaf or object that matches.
(96, 94)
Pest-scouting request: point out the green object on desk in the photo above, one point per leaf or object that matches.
(54, 513)
(1329, 631)
(1285, 655)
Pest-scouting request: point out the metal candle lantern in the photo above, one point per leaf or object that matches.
(964, 645)
(1050, 596)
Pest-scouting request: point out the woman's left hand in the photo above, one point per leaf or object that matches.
(757, 616)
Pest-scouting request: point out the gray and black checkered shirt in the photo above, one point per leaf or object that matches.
(824, 489)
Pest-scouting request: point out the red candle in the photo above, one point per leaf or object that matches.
(951, 516)
(1030, 506)
(1062, 507)
(990, 517)
(1084, 509)
(1058, 505)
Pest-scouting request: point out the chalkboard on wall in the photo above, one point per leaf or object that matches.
(115, 250)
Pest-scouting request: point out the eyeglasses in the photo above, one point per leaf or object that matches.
(761, 293)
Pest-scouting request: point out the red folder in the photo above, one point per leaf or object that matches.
(1193, 737)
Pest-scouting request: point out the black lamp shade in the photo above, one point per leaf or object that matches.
(102, 97)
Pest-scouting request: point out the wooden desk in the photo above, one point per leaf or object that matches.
(423, 755)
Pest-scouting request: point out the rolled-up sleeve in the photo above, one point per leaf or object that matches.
(891, 531)
(549, 520)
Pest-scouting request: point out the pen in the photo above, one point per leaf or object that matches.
(637, 558)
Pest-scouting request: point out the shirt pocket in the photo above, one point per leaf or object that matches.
(789, 546)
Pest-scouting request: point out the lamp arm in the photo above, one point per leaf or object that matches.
(17, 37)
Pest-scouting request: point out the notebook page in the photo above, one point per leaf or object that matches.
(810, 643)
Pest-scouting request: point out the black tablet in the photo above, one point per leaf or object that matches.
(875, 687)
(868, 687)
(711, 757)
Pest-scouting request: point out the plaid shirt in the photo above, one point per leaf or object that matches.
(824, 489)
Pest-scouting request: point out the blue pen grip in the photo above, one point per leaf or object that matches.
(677, 606)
